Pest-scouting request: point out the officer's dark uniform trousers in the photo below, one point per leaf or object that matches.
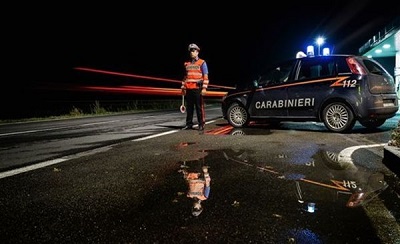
(194, 100)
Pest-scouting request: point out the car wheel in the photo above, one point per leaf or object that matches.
(237, 115)
(237, 132)
(372, 123)
(338, 117)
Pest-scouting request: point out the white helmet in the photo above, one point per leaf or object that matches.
(193, 46)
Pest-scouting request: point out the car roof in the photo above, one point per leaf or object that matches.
(331, 55)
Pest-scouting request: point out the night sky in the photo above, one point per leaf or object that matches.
(45, 43)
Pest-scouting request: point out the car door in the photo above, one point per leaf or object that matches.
(310, 86)
(269, 98)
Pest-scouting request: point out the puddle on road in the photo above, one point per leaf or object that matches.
(264, 128)
(320, 179)
(260, 128)
(280, 196)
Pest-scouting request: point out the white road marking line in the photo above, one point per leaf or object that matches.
(51, 162)
(56, 128)
(155, 135)
(31, 167)
(345, 155)
(74, 156)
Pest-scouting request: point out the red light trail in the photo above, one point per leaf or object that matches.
(141, 76)
(144, 89)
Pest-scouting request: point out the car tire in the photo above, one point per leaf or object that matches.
(372, 123)
(338, 117)
(238, 116)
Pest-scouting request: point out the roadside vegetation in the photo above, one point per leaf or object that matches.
(395, 136)
(98, 109)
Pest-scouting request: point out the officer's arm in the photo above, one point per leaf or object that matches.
(207, 185)
(183, 88)
(207, 179)
(204, 70)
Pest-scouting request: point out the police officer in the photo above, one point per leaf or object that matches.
(194, 87)
(198, 187)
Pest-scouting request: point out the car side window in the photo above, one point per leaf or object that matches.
(342, 66)
(277, 75)
(304, 72)
(316, 68)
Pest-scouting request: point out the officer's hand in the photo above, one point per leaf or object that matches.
(203, 92)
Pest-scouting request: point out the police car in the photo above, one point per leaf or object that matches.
(337, 90)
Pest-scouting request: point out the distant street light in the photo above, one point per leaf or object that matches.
(320, 41)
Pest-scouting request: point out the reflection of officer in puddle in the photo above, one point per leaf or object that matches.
(198, 187)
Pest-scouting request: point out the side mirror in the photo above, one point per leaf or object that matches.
(255, 84)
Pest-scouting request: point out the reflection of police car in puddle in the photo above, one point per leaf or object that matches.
(337, 90)
(325, 177)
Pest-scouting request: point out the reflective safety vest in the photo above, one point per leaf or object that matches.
(194, 76)
(198, 188)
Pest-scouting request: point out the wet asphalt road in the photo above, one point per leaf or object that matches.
(261, 182)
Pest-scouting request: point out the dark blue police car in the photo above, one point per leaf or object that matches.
(337, 90)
